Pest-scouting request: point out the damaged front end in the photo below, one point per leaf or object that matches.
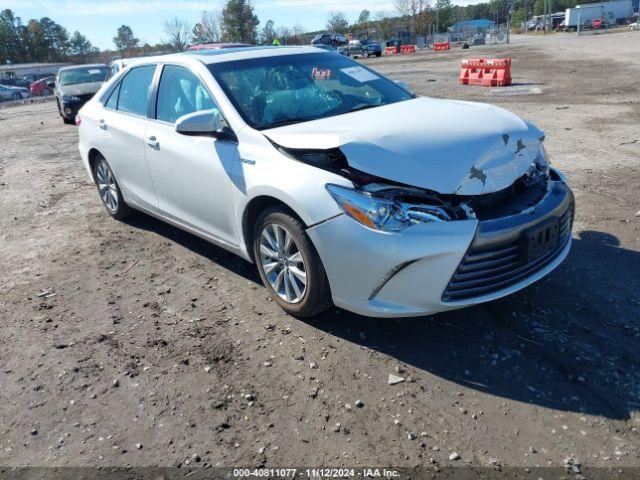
(387, 205)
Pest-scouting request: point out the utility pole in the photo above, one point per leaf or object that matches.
(437, 17)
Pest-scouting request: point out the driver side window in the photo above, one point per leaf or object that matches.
(180, 92)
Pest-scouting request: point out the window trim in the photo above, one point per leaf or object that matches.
(116, 85)
(153, 114)
(112, 91)
(153, 77)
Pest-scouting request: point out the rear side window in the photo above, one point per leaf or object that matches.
(112, 102)
(135, 89)
(180, 92)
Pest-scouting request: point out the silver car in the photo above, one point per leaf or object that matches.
(339, 184)
(8, 92)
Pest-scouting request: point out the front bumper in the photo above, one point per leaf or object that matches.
(411, 273)
(69, 110)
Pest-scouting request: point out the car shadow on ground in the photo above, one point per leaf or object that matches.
(570, 342)
(197, 245)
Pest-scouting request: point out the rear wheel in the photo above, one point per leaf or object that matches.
(16, 96)
(289, 265)
(109, 190)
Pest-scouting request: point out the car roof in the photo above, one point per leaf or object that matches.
(83, 67)
(229, 54)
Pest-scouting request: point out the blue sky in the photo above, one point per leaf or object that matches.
(99, 19)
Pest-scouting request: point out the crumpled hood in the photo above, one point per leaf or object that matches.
(447, 146)
(80, 88)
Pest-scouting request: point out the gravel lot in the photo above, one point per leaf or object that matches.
(137, 344)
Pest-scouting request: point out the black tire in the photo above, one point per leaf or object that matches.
(378, 54)
(121, 210)
(68, 121)
(16, 96)
(317, 295)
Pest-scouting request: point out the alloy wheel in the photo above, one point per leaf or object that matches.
(107, 186)
(282, 263)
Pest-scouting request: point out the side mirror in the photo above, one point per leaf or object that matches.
(51, 84)
(204, 123)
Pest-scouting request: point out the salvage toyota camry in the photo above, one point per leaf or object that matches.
(341, 185)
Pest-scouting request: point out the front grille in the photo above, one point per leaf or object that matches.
(487, 270)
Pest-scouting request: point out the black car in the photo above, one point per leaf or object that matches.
(75, 86)
(329, 39)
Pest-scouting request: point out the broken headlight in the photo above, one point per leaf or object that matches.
(540, 166)
(385, 211)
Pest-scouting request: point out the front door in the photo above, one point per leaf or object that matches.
(191, 173)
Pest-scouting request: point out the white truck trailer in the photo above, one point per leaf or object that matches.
(610, 12)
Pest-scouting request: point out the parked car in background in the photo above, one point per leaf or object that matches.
(341, 186)
(15, 82)
(115, 66)
(9, 92)
(34, 77)
(329, 39)
(216, 46)
(43, 87)
(75, 86)
(371, 48)
(354, 49)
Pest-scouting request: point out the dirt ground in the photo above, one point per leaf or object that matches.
(137, 344)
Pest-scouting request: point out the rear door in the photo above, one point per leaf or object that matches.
(191, 173)
(123, 127)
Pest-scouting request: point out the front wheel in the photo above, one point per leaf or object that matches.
(289, 264)
(16, 96)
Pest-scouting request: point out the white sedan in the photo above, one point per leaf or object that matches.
(338, 183)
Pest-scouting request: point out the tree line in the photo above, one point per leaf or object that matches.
(40, 41)
(44, 40)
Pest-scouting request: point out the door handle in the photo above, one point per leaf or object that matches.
(152, 142)
(103, 125)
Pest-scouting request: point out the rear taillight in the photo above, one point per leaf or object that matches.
(78, 120)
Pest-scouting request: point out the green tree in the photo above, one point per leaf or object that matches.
(239, 23)
(124, 39)
(363, 21)
(445, 13)
(268, 33)
(11, 45)
(384, 26)
(81, 47)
